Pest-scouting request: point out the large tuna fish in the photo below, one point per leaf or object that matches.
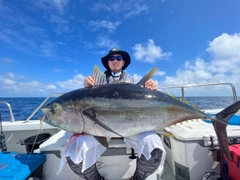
(114, 110)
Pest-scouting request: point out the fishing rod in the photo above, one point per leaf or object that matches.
(2, 137)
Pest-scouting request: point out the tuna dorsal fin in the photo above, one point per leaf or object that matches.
(99, 76)
(147, 77)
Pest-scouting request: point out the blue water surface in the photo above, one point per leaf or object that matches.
(22, 107)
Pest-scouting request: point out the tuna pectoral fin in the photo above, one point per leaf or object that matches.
(220, 123)
(91, 114)
(102, 141)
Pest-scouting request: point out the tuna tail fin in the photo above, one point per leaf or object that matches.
(99, 76)
(220, 121)
(147, 77)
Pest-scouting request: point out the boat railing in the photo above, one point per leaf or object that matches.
(9, 109)
(182, 87)
(41, 105)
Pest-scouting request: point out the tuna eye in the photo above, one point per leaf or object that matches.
(52, 111)
(53, 108)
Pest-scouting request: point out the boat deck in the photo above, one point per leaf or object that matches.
(167, 173)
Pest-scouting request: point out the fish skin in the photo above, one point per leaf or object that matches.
(115, 110)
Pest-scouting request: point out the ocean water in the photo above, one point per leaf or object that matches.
(23, 107)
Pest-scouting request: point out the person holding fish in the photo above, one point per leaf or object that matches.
(148, 145)
(115, 63)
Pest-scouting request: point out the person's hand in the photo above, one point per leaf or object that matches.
(150, 84)
(89, 81)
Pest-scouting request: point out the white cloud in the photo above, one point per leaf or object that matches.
(50, 86)
(225, 51)
(54, 6)
(27, 39)
(4, 9)
(126, 8)
(106, 42)
(11, 75)
(6, 38)
(47, 48)
(74, 83)
(12, 84)
(57, 70)
(138, 9)
(60, 5)
(149, 52)
(110, 26)
(225, 47)
(224, 66)
(57, 19)
(159, 73)
(96, 7)
(137, 77)
(7, 81)
(7, 60)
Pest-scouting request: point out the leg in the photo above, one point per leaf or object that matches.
(90, 173)
(151, 153)
(147, 167)
(78, 148)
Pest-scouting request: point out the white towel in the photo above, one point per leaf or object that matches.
(81, 147)
(85, 148)
(144, 143)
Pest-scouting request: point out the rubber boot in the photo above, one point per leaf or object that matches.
(90, 173)
(147, 167)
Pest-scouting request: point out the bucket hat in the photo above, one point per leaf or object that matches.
(124, 54)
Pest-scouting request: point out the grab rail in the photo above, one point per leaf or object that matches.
(199, 85)
(9, 108)
(36, 110)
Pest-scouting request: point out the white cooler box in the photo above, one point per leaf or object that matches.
(114, 164)
(188, 153)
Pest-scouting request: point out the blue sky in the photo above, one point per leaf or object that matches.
(50, 46)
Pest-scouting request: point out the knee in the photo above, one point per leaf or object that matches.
(153, 163)
(156, 155)
(77, 168)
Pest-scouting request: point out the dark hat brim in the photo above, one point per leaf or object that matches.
(124, 54)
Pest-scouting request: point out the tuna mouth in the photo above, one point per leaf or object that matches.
(45, 110)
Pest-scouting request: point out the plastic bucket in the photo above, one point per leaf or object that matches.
(33, 142)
